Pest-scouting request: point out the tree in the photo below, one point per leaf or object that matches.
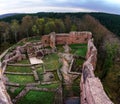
(73, 28)
(99, 31)
(15, 28)
(4, 31)
(59, 26)
(38, 27)
(27, 24)
(111, 53)
(49, 27)
(67, 23)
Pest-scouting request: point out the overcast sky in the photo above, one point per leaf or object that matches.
(33, 6)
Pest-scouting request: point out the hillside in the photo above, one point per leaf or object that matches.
(7, 15)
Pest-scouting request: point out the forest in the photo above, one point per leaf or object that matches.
(104, 27)
(18, 26)
(111, 21)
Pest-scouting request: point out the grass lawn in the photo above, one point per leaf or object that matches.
(26, 61)
(39, 71)
(18, 69)
(21, 79)
(37, 97)
(51, 62)
(56, 85)
(79, 49)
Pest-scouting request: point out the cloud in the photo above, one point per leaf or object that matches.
(47, 9)
(111, 6)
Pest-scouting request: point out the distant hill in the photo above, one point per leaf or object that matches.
(7, 15)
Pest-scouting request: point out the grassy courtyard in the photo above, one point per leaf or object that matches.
(79, 49)
(18, 69)
(51, 62)
(21, 79)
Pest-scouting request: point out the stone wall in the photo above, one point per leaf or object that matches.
(4, 97)
(92, 91)
(71, 38)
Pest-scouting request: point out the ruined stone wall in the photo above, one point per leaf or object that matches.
(92, 91)
(71, 38)
(4, 97)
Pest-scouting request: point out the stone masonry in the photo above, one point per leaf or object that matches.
(71, 38)
(92, 91)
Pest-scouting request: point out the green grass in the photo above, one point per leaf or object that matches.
(56, 76)
(39, 71)
(51, 62)
(21, 79)
(18, 69)
(16, 92)
(60, 48)
(37, 97)
(79, 49)
(23, 62)
(56, 85)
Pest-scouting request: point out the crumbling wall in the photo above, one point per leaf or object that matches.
(4, 97)
(71, 38)
(92, 91)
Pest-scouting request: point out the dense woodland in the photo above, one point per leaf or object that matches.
(111, 21)
(17, 27)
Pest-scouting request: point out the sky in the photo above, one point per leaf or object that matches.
(34, 6)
